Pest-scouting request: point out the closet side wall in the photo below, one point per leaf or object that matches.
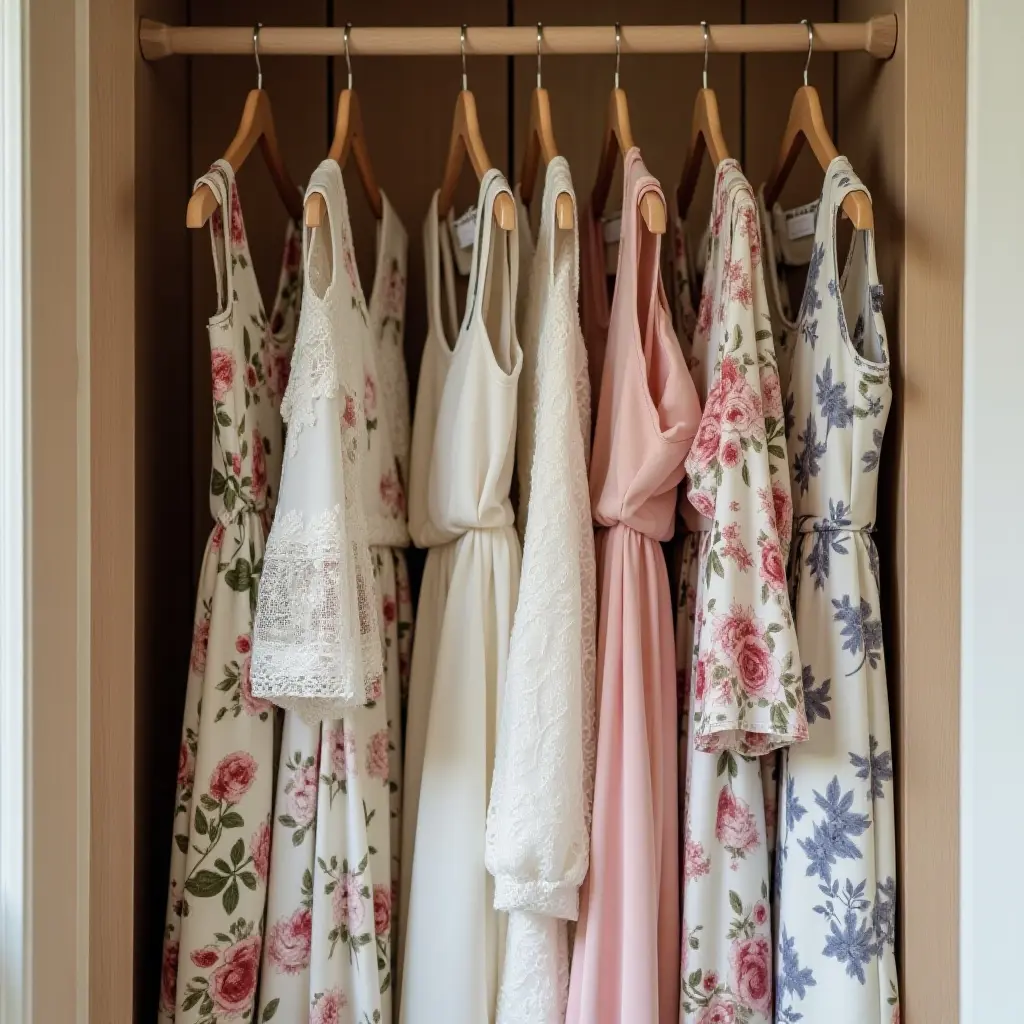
(164, 583)
(904, 123)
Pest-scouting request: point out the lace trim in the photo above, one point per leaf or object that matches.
(303, 658)
(558, 899)
(314, 371)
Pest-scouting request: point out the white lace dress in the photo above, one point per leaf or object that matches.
(462, 462)
(327, 955)
(538, 824)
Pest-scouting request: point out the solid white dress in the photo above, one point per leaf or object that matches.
(538, 825)
(327, 952)
(462, 463)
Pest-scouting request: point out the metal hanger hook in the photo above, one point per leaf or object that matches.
(540, 40)
(348, 60)
(256, 53)
(810, 45)
(704, 26)
(618, 51)
(462, 50)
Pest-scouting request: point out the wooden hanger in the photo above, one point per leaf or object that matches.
(466, 141)
(706, 136)
(257, 125)
(618, 140)
(807, 123)
(348, 137)
(540, 142)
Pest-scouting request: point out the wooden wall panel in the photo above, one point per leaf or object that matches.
(771, 79)
(219, 86)
(660, 90)
(408, 104)
(164, 586)
(904, 125)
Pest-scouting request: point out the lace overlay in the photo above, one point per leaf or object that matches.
(538, 827)
(316, 642)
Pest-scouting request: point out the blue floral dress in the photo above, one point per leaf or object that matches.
(835, 903)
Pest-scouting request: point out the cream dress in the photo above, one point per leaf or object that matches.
(327, 955)
(462, 463)
(538, 823)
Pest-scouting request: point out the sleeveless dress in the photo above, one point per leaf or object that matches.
(538, 821)
(739, 650)
(625, 967)
(836, 863)
(225, 767)
(328, 942)
(459, 507)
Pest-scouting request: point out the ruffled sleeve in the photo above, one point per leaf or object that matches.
(316, 645)
(747, 690)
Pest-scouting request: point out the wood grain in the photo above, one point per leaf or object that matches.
(164, 589)
(113, 49)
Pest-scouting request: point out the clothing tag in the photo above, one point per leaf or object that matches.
(611, 226)
(465, 229)
(800, 221)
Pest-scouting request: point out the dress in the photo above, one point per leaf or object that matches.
(538, 821)
(459, 506)
(837, 857)
(328, 945)
(625, 966)
(225, 767)
(740, 654)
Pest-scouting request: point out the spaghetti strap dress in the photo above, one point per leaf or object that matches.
(625, 965)
(836, 860)
(220, 856)
(462, 462)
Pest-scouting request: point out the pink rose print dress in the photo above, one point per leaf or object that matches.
(625, 965)
(739, 651)
(221, 850)
(459, 507)
(327, 954)
(836, 863)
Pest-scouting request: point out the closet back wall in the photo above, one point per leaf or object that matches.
(187, 110)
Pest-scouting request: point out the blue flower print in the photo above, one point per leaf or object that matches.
(862, 632)
(805, 462)
(835, 409)
(833, 836)
(810, 330)
(877, 294)
(852, 945)
(875, 767)
(883, 916)
(816, 698)
(871, 458)
(794, 809)
(812, 300)
(794, 980)
(828, 538)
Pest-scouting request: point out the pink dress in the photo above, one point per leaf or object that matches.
(625, 967)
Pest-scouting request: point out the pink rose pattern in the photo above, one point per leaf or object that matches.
(738, 647)
(289, 940)
(754, 702)
(221, 837)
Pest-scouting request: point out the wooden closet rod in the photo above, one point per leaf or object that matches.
(876, 36)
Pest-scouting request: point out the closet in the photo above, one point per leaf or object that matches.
(157, 125)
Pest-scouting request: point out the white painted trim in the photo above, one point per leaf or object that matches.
(15, 741)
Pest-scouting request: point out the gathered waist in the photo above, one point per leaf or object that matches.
(830, 524)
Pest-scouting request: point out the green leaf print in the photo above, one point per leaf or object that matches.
(206, 883)
(231, 897)
(269, 1010)
(239, 577)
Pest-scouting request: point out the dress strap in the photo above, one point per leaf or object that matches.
(559, 180)
(639, 250)
(220, 179)
(439, 266)
(326, 180)
(491, 184)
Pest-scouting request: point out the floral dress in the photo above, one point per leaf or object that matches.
(221, 850)
(739, 650)
(327, 956)
(836, 862)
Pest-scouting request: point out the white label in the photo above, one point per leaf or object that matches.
(465, 229)
(800, 221)
(612, 228)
